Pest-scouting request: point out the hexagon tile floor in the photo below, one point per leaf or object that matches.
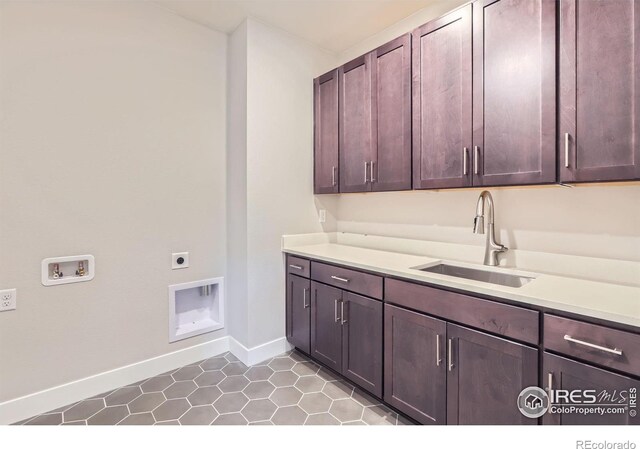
(288, 389)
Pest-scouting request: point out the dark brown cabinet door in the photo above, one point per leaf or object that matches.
(361, 320)
(325, 93)
(355, 125)
(485, 376)
(391, 116)
(442, 127)
(514, 108)
(599, 86)
(299, 312)
(415, 377)
(610, 388)
(326, 329)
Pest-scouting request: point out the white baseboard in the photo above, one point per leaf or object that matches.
(42, 401)
(257, 354)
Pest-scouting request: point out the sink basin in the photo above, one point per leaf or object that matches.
(491, 277)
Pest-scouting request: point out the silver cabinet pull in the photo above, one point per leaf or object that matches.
(438, 359)
(615, 351)
(550, 382)
(566, 150)
(476, 159)
(304, 299)
(333, 176)
(345, 280)
(371, 166)
(296, 267)
(342, 320)
(366, 172)
(336, 311)
(451, 365)
(464, 160)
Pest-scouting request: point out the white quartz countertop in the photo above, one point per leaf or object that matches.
(601, 300)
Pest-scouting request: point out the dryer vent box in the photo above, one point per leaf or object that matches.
(195, 308)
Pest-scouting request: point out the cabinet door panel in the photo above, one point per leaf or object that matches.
(486, 377)
(442, 129)
(391, 116)
(414, 371)
(599, 87)
(514, 91)
(362, 341)
(299, 312)
(325, 92)
(355, 124)
(566, 374)
(326, 330)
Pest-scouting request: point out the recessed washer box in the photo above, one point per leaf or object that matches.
(67, 269)
(195, 308)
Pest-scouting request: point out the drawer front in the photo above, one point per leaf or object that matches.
(598, 344)
(346, 279)
(502, 319)
(298, 266)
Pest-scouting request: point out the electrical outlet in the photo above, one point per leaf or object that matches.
(322, 215)
(8, 299)
(179, 260)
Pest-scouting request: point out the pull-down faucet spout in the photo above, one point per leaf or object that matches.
(492, 248)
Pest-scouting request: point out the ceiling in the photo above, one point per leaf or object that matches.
(331, 24)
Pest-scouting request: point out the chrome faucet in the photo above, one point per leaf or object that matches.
(492, 248)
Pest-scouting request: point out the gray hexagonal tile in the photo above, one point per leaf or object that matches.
(310, 384)
(74, 423)
(258, 373)
(83, 410)
(261, 423)
(284, 378)
(216, 363)
(204, 395)
(202, 415)
(230, 419)
(286, 396)
(171, 409)
(305, 368)
(230, 402)
(172, 422)
(180, 389)
(109, 416)
(156, 384)
(354, 423)
(146, 403)
(259, 390)
(346, 410)
(327, 374)
(235, 369)
(315, 403)
(233, 384)
(230, 357)
(187, 373)
(51, 419)
(139, 419)
(364, 398)
(123, 396)
(378, 415)
(289, 416)
(209, 378)
(282, 364)
(297, 357)
(337, 390)
(259, 410)
(321, 419)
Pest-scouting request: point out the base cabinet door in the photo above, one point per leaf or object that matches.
(361, 320)
(485, 375)
(299, 312)
(326, 328)
(415, 364)
(615, 390)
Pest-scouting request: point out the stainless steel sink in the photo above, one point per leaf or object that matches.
(491, 277)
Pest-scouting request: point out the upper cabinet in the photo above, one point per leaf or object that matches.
(599, 124)
(325, 93)
(442, 128)
(514, 108)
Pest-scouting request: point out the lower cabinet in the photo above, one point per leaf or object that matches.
(562, 374)
(346, 335)
(440, 373)
(299, 312)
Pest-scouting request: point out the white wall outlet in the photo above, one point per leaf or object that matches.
(322, 215)
(179, 260)
(8, 299)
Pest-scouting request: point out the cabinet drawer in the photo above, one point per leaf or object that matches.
(598, 344)
(502, 319)
(298, 266)
(346, 279)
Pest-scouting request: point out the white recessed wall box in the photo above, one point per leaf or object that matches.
(68, 269)
(195, 308)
